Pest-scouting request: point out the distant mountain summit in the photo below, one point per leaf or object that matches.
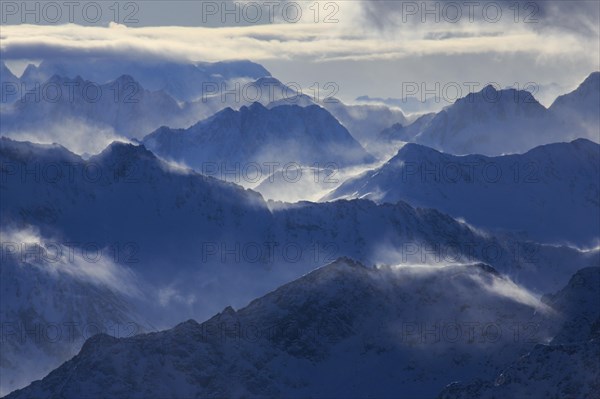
(10, 85)
(183, 81)
(495, 122)
(489, 122)
(122, 105)
(584, 96)
(255, 134)
(580, 108)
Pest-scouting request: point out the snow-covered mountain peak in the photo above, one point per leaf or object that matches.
(489, 97)
(27, 151)
(414, 151)
(579, 305)
(126, 79)
(218, 117)
(586, 89)
(495, 122)
(6, 74)
(268, 81)
(187, 327)
(559, 151)
(29, 72)
(259, 108)
(346, 261)
(581, 105)
(186, 82)
(583, 142)
(228, 311)
(254, 108)
(97, 340)
(74, 107)
(121, 151)
(489, 122)
(256, 134)
(592, 82)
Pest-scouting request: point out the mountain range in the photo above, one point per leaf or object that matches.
(495, 122)
(441, 255)
(550, 193)
(168, 244)
(122, 105)
(182, 81)
(61, 195)
(489, 122)
(258, 135)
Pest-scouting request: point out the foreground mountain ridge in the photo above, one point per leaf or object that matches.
(306, 337)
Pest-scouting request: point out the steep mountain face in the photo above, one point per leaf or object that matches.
(580, 108)
(184, 82)
(363, 121)
(123, 182)
(122, 106)
(258, 135)
(550, 193)
(489, 122)
(567, 367)
(5, 74)
(495, 122)
(395, 331)
(577, 304)
(52, 301)
(268, 91)
(9, 85)
(272, 93)
(107, 217)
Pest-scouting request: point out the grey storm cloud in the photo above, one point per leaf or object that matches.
(575, 16)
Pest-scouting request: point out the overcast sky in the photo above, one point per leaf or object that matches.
(378, 48)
